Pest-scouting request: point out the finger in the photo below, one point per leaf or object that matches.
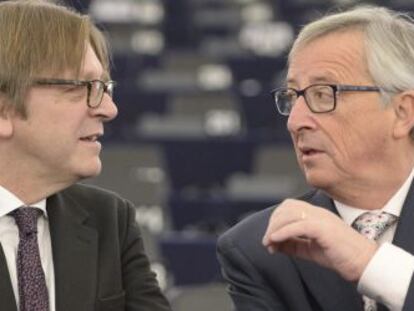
(301, 230)
(271, 249)
(298, 247)
(277, 224)
(285, 216)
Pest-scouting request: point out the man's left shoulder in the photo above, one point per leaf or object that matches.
(93, 198)
(252, 228)
(83, 189)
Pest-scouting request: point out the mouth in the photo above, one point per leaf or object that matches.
(308, 151)
(91, 138)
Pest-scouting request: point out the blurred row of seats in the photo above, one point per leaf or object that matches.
(198, 144)
(228, 54)
(187, 192)
(216, 171)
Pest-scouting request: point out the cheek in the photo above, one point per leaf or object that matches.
(298, 160)
(359, 139)
(65, 125)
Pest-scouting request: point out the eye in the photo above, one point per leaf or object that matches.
(75, 92)
(322, 93)
(69, 88)
(288, 95)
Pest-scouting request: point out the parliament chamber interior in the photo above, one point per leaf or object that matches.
(198, 144)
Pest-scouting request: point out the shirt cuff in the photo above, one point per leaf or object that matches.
(392, 266)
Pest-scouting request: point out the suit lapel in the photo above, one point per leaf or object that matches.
(342, 295)
(404, 234)
(74, 246)
(328, 288)
(8, 301)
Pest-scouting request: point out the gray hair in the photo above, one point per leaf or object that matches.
(389, 44)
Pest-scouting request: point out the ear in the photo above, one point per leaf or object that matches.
(6, 119)
(404, 110)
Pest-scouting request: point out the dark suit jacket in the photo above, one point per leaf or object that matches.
(261, 281)
(98, 255)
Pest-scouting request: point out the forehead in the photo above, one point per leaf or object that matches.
(90, 69)
(337, 57)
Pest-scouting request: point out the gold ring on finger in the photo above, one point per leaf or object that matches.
(303, 215)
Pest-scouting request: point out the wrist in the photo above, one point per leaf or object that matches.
(364, 258)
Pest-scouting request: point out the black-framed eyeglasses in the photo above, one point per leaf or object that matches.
(319, 98)
(95, 88)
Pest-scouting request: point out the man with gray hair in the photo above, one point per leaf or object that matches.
(348, 244)
(63, 246)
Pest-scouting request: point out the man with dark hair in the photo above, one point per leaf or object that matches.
(64, 246)
(348, 245)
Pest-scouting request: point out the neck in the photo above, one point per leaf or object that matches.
(30, 193)
(373, 194)
(28, 185)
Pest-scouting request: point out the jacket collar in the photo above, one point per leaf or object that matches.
(8, 301)
(74, 247)
(329, 289)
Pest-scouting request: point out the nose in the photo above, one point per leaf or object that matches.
(107, 110)
(300, 116)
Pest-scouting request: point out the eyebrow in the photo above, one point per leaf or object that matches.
(326, 79)
(90, 75)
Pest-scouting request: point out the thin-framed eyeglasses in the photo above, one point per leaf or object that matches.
(320, 98)
(95, 88)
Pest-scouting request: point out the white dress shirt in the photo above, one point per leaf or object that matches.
(388, 274)
(9, 240)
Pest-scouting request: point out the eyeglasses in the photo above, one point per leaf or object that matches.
(96, 88)
(319, 98)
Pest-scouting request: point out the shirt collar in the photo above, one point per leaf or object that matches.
(9, 202)
(393, 206)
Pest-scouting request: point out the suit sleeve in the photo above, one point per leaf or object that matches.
(142, 292)
(247, 288)
(409, 299)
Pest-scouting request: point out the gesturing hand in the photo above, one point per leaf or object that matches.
(309, 232)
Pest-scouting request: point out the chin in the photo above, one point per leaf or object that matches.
(318, 180)
(90, 170)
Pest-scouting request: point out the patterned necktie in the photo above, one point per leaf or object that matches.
(372, 226)
(33, 292)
